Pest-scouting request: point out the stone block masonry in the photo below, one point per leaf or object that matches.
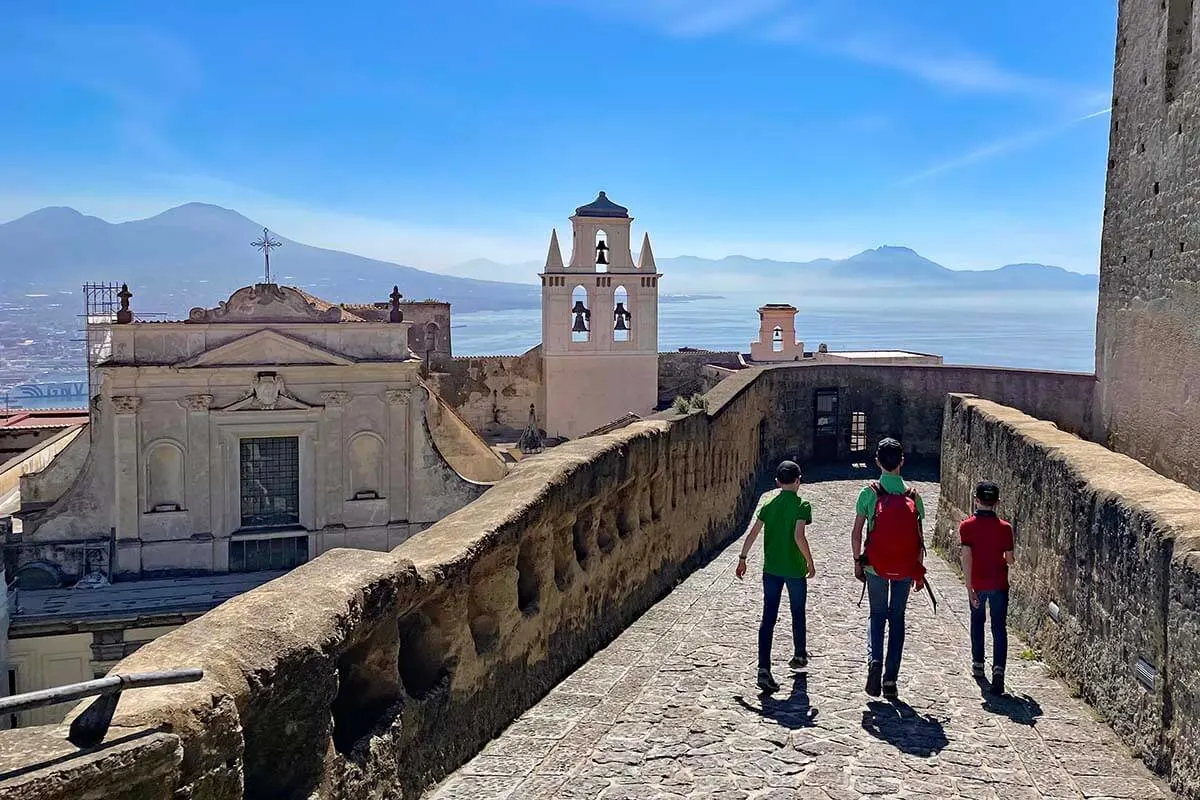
(1107, 580)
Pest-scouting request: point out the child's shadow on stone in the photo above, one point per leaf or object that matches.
(898, 724)
(1021, 709)
(792, 712)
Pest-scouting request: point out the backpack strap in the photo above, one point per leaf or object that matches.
(878, 489)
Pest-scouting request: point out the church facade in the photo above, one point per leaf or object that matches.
(254, 435)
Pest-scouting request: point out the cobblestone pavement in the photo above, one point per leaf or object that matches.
(670, 708)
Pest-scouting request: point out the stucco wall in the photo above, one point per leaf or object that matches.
(48, 484)
(493, 393)
(14, 470)
(1147, 339)
(1116, 547)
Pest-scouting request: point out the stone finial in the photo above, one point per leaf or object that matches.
(554, 259)
(646, 255)
(396, 314)
(124, 315)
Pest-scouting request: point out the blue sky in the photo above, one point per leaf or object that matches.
(433, 133)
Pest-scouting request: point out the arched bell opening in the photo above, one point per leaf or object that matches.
(581, 315)
(622, 318)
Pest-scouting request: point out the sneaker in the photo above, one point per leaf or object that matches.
(874, 676)
(890, 692)
(977, 669)
(798, 662)
(998, 682)
(766, 682)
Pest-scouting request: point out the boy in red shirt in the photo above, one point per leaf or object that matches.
(987, 552)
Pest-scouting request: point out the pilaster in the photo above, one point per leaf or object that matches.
(331, 463)
(125, 483)
(399, 449)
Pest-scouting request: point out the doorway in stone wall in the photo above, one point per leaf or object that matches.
(825, 428)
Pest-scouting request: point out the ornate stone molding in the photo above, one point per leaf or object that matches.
(335, 399)
(398, 397)
(267, 393)
(266, 302)
(126, 403)
(197, 402)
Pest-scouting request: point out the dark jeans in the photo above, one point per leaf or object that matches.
(797, 589)
(888, 599)
(998, 602)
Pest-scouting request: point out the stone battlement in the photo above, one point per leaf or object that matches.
(1107, 580)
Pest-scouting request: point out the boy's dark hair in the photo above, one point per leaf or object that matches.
(890, 453)
(987, 492)
(788, 472)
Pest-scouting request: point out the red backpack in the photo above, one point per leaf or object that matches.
(894, 544)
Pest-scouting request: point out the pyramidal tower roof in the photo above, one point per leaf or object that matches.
(554, 259)
(646, 255)
(603, 207)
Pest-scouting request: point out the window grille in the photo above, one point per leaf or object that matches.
(270, 482)
(258, 555)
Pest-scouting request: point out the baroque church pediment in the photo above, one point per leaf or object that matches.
(266, 348)
(268, 302)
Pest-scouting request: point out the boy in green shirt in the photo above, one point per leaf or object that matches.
(787, 561)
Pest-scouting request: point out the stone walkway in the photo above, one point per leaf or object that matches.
(670, 709)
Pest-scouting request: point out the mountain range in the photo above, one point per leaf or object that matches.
(196, 254)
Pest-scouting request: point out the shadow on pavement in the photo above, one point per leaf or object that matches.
(792, 712)
(901, 726)
(923, 470)
(1021, 709)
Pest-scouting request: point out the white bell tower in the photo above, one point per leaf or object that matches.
(599, 323)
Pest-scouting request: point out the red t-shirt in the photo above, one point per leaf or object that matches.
(989, 538)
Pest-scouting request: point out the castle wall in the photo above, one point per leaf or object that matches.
(1147, 339)
(411, 660)
(1107, 570)
(906, 402)
(682, 373)
(493, 393)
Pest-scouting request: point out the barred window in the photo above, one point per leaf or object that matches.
(256, 555)
(270, 469)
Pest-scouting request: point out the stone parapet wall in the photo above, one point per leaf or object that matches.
(907, 401)
(362, 673)
(683, 373)
(1107, 570)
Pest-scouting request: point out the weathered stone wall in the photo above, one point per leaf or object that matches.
(360, 673)
(682, 373)
(907, 401)
(493, 393)
(1147, 339)
(1115, 548)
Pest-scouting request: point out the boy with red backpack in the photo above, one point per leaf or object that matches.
(892, 563)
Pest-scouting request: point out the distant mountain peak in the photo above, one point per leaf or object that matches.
(201, 214)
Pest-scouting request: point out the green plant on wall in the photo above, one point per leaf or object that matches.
(687, 405)
(681, 405)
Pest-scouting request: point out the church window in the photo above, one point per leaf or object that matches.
(270, 482)
(621, 315)
(581, 315)
(267, 553)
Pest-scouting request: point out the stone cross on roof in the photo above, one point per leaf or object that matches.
(266, 244)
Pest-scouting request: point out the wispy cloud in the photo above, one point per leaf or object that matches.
(998, 148)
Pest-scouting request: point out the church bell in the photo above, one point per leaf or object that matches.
(580, 311)
(601, 252)
(622, 318)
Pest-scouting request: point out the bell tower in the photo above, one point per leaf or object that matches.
(599, 323)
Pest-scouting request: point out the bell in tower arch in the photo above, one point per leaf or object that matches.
(622, 318)
(602, 252)
(581, 313)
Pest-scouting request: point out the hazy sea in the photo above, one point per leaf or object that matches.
(1033, 330)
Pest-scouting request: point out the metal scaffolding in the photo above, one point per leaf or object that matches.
(100, 304)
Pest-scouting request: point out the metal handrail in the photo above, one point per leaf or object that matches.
(89, 728)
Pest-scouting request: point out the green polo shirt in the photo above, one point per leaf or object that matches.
(865, 507)
(779, 515)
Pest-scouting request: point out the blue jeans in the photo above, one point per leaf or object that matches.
(888, 602)
(797, 589)
(998, 602)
